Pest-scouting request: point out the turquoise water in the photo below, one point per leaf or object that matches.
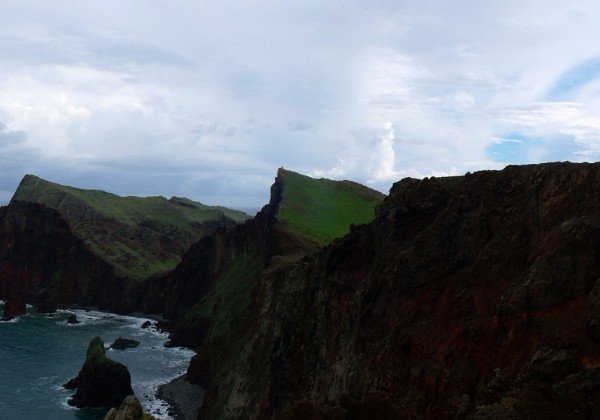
(38, 354)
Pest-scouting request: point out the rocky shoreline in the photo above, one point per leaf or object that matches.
(184, 398)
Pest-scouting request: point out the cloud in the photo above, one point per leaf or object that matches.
(298, 125)
(10, 137)
(194, 99)
(371, 158)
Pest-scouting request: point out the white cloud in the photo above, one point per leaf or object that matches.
(175, 98)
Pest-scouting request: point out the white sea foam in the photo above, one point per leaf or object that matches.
(150, 364)
(10, 321)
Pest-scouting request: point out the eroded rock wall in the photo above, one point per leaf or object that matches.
(43, 263)
(471, 296)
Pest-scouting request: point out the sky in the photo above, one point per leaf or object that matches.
(207, 99)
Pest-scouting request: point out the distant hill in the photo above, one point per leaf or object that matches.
(138, 236)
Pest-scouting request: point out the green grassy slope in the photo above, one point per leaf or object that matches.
(139, 236)
(128, 210)
(321, 210)
(311, 213)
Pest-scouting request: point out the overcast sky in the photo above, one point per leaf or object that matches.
(207, 99)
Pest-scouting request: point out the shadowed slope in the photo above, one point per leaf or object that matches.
(138, 236)
(467, 297)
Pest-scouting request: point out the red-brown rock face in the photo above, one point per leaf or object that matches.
(43, 263)
(467, 297)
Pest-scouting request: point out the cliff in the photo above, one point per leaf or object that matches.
(61, 246)
(466, 297)
(138, 236)
(43, 263)
(302, 214)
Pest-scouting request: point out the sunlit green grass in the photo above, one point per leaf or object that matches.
(322, 210)
(128, 210)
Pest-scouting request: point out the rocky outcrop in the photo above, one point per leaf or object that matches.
(124, 343)
(101, 382)
(467, 297)
(130, 409)
(72, 319)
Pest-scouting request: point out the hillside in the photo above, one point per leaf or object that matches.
(467, 297)
(472, 297)
(224, 266)
(61, 245)
(138, 236)
(320, 210)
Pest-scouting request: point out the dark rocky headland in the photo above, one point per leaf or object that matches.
(461, 297)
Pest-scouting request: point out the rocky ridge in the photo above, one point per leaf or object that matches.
(61, 246)
(467, 297)
(210, 293)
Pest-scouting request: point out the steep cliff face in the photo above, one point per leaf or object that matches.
(61, 246)
(43, 263)
(466, 297)
(197, 274)
(138, 236)
(216, 291)
(277, 236)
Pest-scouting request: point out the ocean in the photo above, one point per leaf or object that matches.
(39, 353)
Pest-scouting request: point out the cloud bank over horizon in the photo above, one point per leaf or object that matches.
(208, 100)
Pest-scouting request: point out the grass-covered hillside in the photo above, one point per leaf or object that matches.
(308, 214)
(138, 236)
(320, 210)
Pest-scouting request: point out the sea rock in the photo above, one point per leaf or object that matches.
(72, 319)
(124, 343)
(14, 307)
(101, 382)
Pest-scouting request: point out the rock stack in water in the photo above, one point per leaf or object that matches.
(101, 382)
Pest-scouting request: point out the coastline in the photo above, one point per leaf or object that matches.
(60, 351)
(184, 398)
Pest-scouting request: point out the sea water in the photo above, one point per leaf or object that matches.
(39, 353)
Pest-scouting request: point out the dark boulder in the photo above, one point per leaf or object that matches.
(124, 343)
(72, 319)
(101, 382)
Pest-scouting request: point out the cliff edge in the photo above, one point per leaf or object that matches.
(61, 245)
(467, 297)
